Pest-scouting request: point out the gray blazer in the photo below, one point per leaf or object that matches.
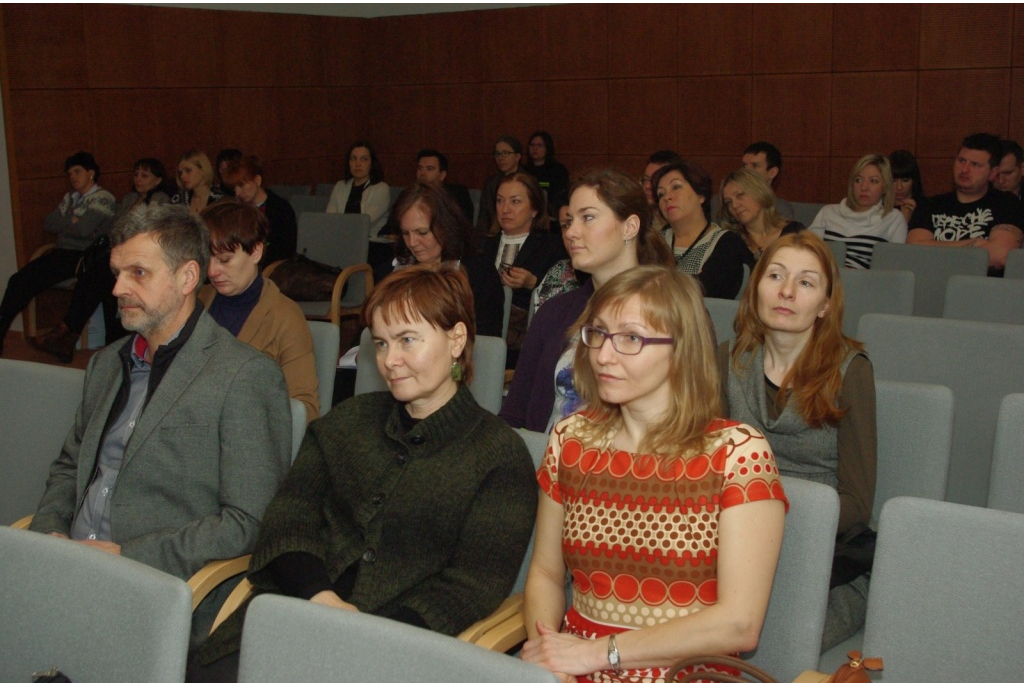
(207, 456)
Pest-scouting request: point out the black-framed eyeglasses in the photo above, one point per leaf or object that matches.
(624, 343)
(502, 154)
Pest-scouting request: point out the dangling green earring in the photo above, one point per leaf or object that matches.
(456, 371)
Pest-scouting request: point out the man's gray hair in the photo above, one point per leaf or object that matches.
(183, 235)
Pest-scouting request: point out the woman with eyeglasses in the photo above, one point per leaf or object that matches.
(508, 153)
(669, 517)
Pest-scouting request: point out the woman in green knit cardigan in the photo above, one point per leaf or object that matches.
(414, 504)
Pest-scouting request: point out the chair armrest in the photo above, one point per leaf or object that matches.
(23, 523)
(269, 268)
(42, 250)
(339, 288)
(505, 635)
(241, 593)
(213, 574)
(510, 607)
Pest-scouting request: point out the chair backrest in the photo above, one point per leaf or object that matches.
(537, 443)
(805, 212)
(324, 189)
(506, 312)
(875, 291)
(326, 348)
(288, 191)
(291, 640)
(723, 314)
(744, 282)
(915, 431)
(474, 195)
(95, 616)
(838, 248)
(979, 362)
(1014, 264)
(308, 203)
(791, 635)
(37, 410)
(947, 593)
(1006, 486)
(298, 425)
(980, 298)
(339, 240)
(395, 192)
(488, 370)
(932, 267)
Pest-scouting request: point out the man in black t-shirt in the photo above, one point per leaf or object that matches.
(975, 214)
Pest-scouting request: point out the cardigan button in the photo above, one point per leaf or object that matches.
(370, 555)
(378, 498)
(401, 459)
(417, 439)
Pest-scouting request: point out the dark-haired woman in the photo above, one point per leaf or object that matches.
(906, 182)
(701, 247)
(794, 376)
(508, 155)
(363, 191)
(245, 177)
(432, 230)
(551, 174)
(83, 215)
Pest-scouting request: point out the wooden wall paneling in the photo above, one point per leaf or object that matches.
(576, 115)
(469, 169)
(1017, 56)
(292, 40)
(870, 37)
(804, 179)
(401, 46)
(513, 40)
(792, 38)
(127, 125)
(453, 119)
(839, 177)
(714, 39)
(451, 47)
(1016, 129)
(578, 163)
(714, 115)
(718, 167)
(347, 120)
(643, 115)
(298, 128)
(641, 40)
(187, 48)
(118, 182)
(964, 36)
(347, 43)
(39, 197)
(520, 108)
(308, 170)
(397, 172)
(793, 111)
(245, 119)
(47, 126)
(955, 103)
(396, 123)
(575, 40)
(937, 172)
(190, 118)
(631, 164)
(45, 46)
(873, 112)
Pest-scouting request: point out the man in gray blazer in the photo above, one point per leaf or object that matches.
(183, 434)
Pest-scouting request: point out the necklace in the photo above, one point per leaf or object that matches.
(689, 247)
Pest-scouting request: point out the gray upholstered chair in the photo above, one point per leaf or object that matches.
(37, 410)
(947, 593)
(324, 189)
(291, 640)
(488, 370)
(298, 424)
(342, 241)
(315, 204)
(979, 362)
(980, 298)
(95, 616)
(932, 267)
(838, 248)
(1006, 486)
(1014, 264)
(805, 212)
(506, 313)
(875, 291)
(723, 314)
(326, 346)
(289, 191)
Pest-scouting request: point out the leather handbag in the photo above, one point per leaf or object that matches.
(305, 280)
(854, 671)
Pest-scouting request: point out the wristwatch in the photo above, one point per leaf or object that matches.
(613, 655)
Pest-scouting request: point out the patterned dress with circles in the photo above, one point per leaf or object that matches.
(641, 532)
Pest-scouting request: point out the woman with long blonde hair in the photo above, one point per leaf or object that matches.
(793, 375)
(649, 498)
(748, 207)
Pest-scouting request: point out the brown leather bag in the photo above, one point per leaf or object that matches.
(854, 671)
(305, 280)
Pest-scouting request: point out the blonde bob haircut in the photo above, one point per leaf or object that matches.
(199, 159)
(816, 378)
(671, 302)
(440, 297)
(885, 169)
(756, 187)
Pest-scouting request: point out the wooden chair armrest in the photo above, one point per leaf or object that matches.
(23, 523)
(339, 287)
(213, 574)
(269, 268)
(42, 250)
(510, 607)
(505, 635)
(241, 593)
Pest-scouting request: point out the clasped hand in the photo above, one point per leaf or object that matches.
(517, 277)
(564, 655)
